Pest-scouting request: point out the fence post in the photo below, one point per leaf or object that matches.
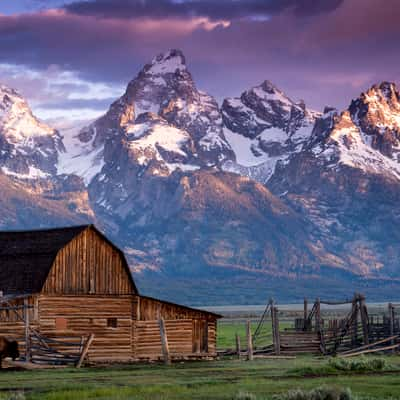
(355, 321)
(364, 319)
(238, 345)
(275, 330)
(305, 314)
(249, 343)
(85, 350)
(164, 342)
(318, 315)
(391, 322)
(27, 337)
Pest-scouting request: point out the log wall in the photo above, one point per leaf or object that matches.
(89, 265)
(83, 315)
(75, 317)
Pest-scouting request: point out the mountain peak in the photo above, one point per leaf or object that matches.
(384, 91)
(9, 97)
(5, 90)
(167, 63)
(269, 87)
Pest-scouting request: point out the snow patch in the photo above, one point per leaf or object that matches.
(80, 158)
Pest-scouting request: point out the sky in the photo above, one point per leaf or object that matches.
(72, 58)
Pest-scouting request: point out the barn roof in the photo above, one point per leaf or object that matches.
(26, 257)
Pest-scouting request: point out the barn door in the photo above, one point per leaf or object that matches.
(200, 336)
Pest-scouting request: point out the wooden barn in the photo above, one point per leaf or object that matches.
(70, 283)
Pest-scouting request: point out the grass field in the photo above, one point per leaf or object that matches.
(228, 329)
(199, 380)
(223, 379)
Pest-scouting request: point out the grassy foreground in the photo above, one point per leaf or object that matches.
(200, 380)
(224, 379)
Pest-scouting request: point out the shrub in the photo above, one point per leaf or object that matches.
(320, 393)
(358, 364)
(13, 396)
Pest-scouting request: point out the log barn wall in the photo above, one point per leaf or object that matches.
(87, 289)
(89, 265)
(190, 332)
(81, 315)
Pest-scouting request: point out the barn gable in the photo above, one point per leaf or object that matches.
(90, 264)
(32, 260)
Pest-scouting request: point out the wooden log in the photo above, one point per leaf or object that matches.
(305, 313)
(275, 333)
(85, 350)
(238, 346)
(391, 321)
(358, 353)
(367, 346)
(249, 342)
(318, 315)
(27, 335)
(355, 322)
(364, 319)
(164, 342)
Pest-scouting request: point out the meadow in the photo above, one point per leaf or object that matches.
(228, 378)
(225, 379)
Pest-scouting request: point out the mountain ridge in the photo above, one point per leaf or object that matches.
(261, 185)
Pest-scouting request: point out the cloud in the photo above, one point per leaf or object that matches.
(214, 10)
(324, 52)
(58, 92)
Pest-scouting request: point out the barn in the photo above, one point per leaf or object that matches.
(73, 282)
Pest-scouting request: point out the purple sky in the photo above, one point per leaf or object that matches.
(71, 58)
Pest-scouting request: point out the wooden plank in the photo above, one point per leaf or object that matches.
(358, 353)
(164, 342)
(249, 342)
(85, 350)
(27, 331)
(391, 338)
(238, 345)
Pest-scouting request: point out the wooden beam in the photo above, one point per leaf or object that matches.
(27, 333)
(85, 350)
(238, 345)
(275, 330)
(367, 346)
(318, 315)
(391, 321)
(358, 353)
(355, 310)
(305, 313)
(364, 319)
(164, 342)
(249, 342)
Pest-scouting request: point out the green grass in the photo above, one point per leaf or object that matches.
(228, 329)
(225, 379)
(201, 380)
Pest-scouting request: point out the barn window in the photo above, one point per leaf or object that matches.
(61, 324)
(112, 322)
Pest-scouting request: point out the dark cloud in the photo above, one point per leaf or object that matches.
(323, 58)
(213, 9)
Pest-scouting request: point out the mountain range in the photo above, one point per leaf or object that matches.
(219, 203)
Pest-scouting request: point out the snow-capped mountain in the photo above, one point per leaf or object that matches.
(28, 148)
(264, 127)
(366, 136)
(162, 120)
(261, 186)
(346, 181)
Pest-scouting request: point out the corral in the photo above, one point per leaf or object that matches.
(316, 331)
(68, 294)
